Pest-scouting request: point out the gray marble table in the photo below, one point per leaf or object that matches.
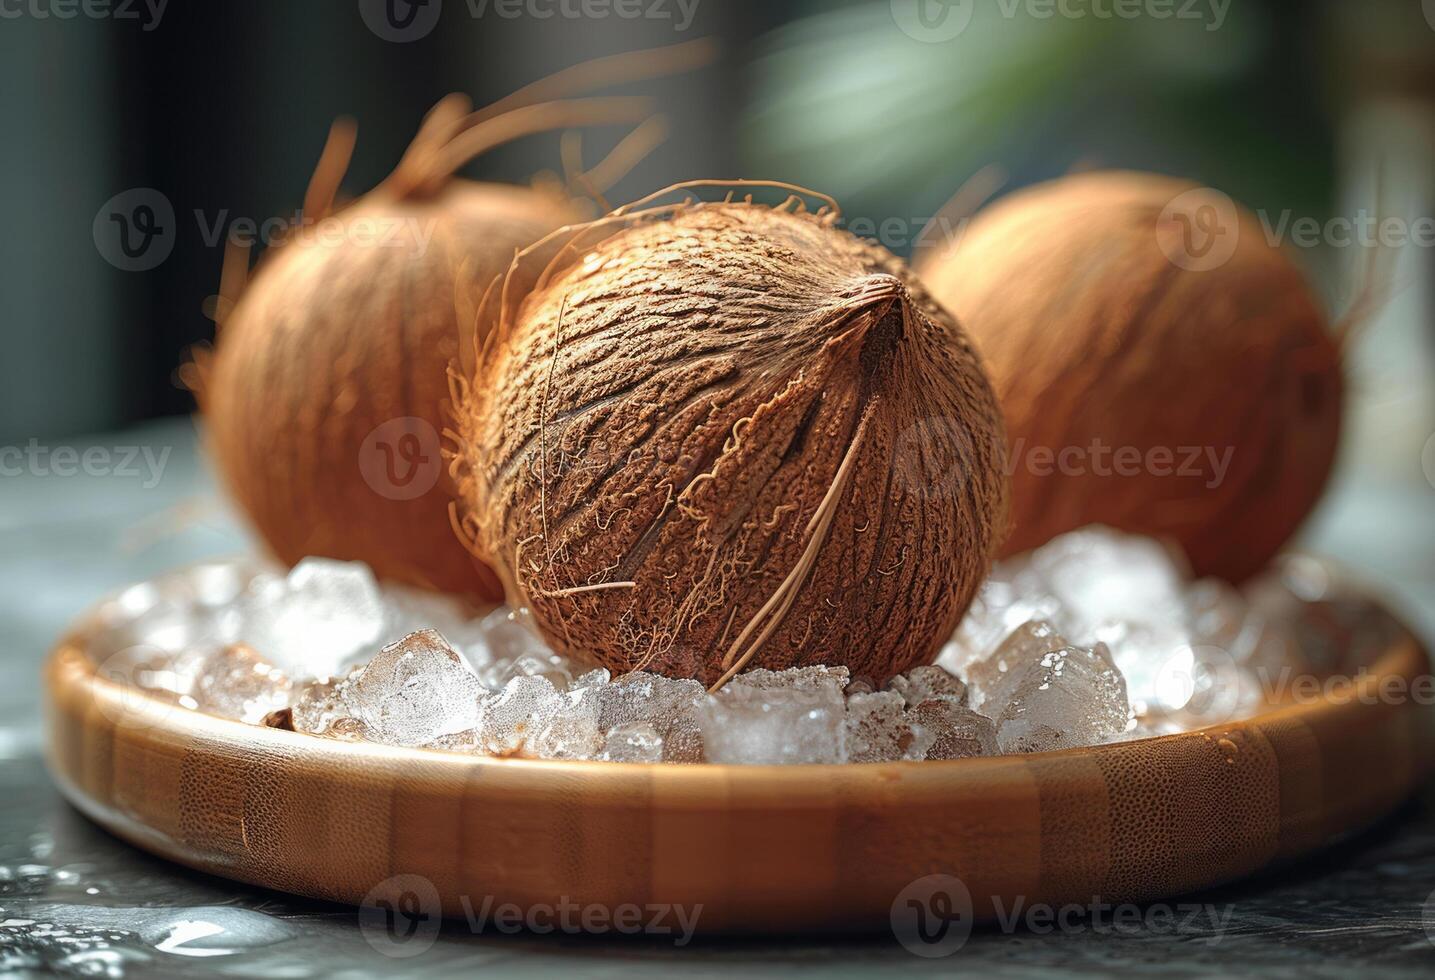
(74, 900)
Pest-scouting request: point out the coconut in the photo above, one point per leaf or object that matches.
(326, 399)
(1162, 367)
(722, 435)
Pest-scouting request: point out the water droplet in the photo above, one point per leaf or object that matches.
(214, 930)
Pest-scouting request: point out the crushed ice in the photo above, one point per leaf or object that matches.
(1096, 637)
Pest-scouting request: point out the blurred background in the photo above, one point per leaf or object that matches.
(215, 114)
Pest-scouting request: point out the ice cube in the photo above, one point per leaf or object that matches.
(1066, 697)
(596, 678)
(920, 683)
(572, 732)
(773, 723)
(1328, 628)
(951, 730)
(317, 620)
(816, 678)
(320, 704)
(1102, 575)
(410, 609)
(1154, 657)
(237, 683)
(999, 607)
(670, 705)
(634, 741)
(171, 627)
(512, 720)
(414, 691)
(217, 585)
(507, 634)
(551, 666)
(878, 729)
(993, 679)
(1219, 615)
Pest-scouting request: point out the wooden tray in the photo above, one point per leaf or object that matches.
(760, 848)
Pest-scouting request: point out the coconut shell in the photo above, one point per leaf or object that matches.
(730, 436)
(332, 345)
(1099, 318)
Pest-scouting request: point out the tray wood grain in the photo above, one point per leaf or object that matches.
(761, 848)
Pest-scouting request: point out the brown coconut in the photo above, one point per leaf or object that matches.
(730, 435)
(1155, 317)
(327, 396)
